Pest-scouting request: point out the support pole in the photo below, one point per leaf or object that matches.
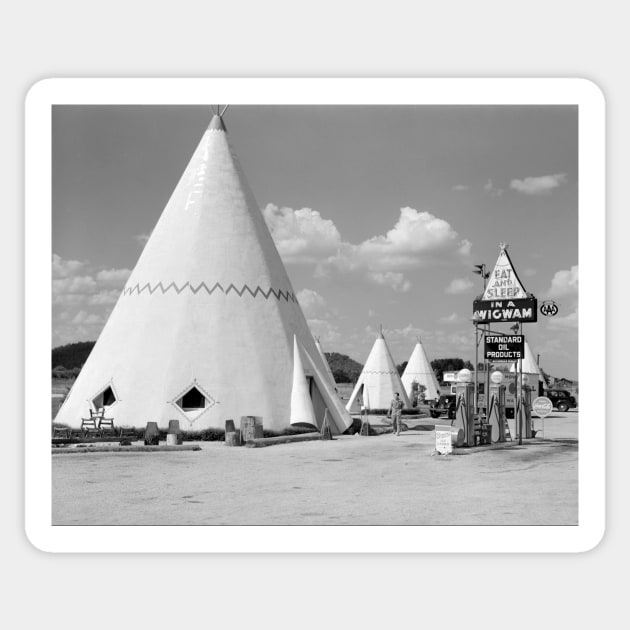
(487, 385)
(476, 395)
(520, 395)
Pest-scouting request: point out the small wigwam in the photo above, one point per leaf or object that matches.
(419, 370)
(208, 326)
(530, 368)
(378, 381)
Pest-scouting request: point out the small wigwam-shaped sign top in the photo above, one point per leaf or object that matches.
(503, 282)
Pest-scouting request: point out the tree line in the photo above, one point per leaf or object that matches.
(68, 360)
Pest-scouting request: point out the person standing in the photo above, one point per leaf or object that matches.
(395, 411)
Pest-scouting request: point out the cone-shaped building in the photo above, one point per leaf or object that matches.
(204, 328)
(378, 381)
(302, 411)
(325, 360)
(419, 371)
(530, 368)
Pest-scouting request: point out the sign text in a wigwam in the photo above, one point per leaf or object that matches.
(488, 311)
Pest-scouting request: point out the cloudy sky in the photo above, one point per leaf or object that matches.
(379, 213)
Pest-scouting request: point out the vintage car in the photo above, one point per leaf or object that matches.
(445, 405)
(561, 399)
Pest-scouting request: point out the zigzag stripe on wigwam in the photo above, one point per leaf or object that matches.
(277, 293)
(380, 372)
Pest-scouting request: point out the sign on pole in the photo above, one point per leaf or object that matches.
(542, 406)
(549, 308)
(505, 298)
(489, 311)
(508, 348)
(503, 283)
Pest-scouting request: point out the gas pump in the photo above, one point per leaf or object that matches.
(527, 410)
(496, 408)
(464, 411)
(523, 415)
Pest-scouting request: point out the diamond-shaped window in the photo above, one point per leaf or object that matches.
(105, 398)
(192, 400)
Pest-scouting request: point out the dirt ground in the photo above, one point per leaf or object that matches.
(351, 480)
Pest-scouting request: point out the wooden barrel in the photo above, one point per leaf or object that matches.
(151, 434)
(251, 428)
(229, 426)
(173, 429)
(233, 438)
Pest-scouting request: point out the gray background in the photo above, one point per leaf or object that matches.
(324, 39)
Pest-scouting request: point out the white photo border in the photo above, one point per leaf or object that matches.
(324, 91)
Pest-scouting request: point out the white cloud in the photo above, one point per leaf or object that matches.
(113, 277)
(326, 331)
(82, 317)
(415, 235)
(418, 239)
(312, 303)
(459, 286)
(61, 297)
(453, 318)
(109, 296)
(73, 285)
(82, 298)
(567, 322)
(564, 282)
(63, 268)
(391, 279)
(492, 190)
(538, 185)
(459, 187)
(321, 320)
(301, 236)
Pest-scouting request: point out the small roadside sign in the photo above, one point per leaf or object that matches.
(542, 406)
(443, 440)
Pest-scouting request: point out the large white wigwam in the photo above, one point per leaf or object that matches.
(419, 370)
(208, 327)
(378, 382)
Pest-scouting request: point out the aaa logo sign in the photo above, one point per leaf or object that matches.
(549, 308)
